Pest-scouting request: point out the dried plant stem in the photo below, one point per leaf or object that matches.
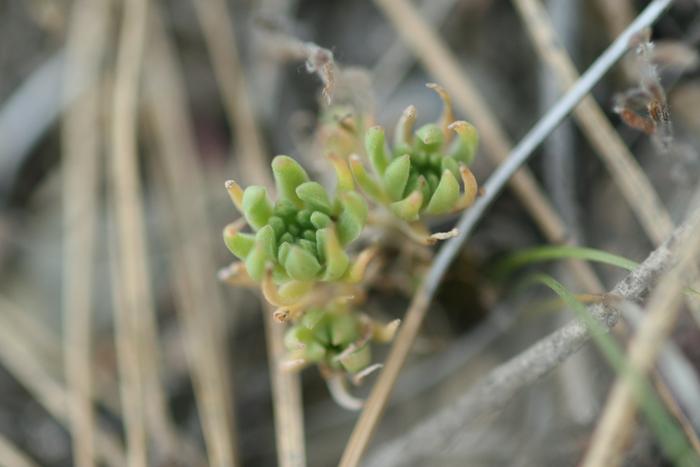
(286, 390)
(217, 26)
(627, 173)
(663, 309)
(143, 396)
(82, 136)
(414, 316)
(499, 386)
(10, 455)
(19, 357)
(198, 297)
(220, 36)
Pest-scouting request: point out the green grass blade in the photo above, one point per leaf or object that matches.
(508, 265)
(671, 438)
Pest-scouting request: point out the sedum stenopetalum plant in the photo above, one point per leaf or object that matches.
(420, 174)
(338, 339)
(300, 240)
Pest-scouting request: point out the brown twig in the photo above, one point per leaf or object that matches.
(502, 383)
(82, 135)
(198, 297)
(663, 309)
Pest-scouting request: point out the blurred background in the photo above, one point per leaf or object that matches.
(112, 202)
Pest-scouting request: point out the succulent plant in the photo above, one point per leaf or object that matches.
(300, 239)
(420, 174)
(336, 337)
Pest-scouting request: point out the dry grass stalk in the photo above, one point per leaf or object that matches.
(20, 359)
(627, 173)
(663, 308)
(10, 455)
(217, 27)
(82, 136)
(286, 392)
(198, 296)
(143, 396)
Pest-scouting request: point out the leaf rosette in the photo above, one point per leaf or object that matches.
(420, 174)
(299, 240)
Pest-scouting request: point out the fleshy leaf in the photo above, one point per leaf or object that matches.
(266, 238)
(409, 207)
(236, 193)
(301, 265)
(320, 220)
(337, 260)
(297, 337)
(342, 173)
(257, 208)
(255, 262)
(445, 195)
(352, 218)
(464, 147)
(357, 360)
(367, 183)
(447, 116)
(293, 291)
(315, 196)
(396, 176)
(403, 135)
(430, 137)
(238, 243)
(374, 145)
(288, 176)
(344, 329)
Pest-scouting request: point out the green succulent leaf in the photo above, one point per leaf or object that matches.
(367, 183)
(313, 317)
(396, 177)
(266, 239)
(403, 135)
(301, 264)
(337, 260)
(238, 243)
(352, 218)
(464, 147)
(315, 196)
(357, 360)
(374, 145)
(320, 220)
(448, 163)
(257, 207)
(344, 329)
(430, 137)
(445, 195)
(255, 262)
(288, 176)
(408, 208)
